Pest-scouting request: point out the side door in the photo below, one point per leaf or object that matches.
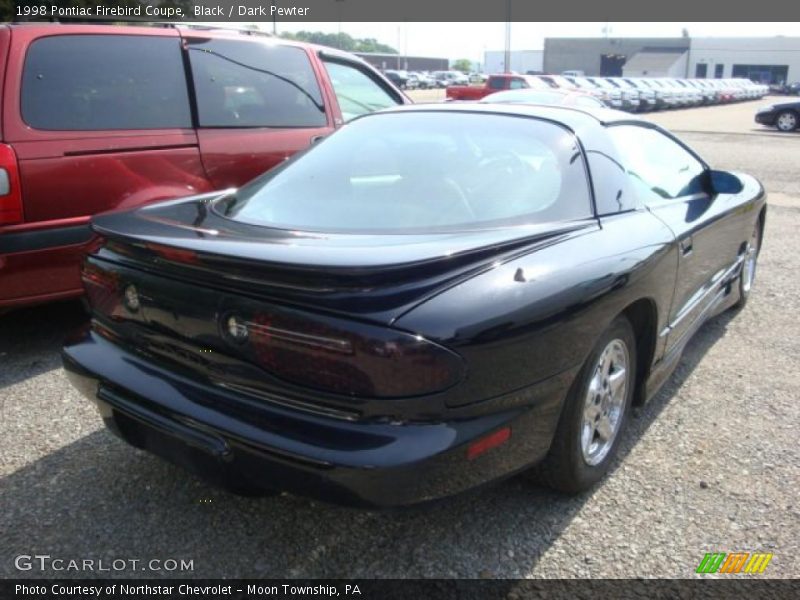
(357, 89)
(99, 122)
(99, 119)
(674, 184)
(258, 102)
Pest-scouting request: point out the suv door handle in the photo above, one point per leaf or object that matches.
(687, 245)
(317, 138)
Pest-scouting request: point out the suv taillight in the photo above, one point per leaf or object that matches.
(352, 359)
(10, 193)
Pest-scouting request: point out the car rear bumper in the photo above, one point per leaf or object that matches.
(224, 435)
(40, 262)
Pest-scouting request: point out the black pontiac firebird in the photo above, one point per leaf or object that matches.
(431, 298)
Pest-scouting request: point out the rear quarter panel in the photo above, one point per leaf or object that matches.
(539, 315)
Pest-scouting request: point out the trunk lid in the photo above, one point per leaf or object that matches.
(377, 275)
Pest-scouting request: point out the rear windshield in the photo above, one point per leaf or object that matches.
(423, 171)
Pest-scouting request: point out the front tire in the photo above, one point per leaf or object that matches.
(594, 414)
(786, 121)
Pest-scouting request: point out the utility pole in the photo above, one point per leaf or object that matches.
(340, 2)
(507, 57)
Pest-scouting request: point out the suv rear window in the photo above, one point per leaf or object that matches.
(95, 82)
(253, 84)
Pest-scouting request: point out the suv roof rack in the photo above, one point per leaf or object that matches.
(143, 23)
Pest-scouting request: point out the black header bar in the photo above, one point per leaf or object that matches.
(297, 11)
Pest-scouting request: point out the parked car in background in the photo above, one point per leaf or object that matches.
(657, 93)
(431, 298)
(503, 81)
(610, 95)
(422, 81)
(694, 95)
(440, 78)
(628, 97)
(647, 96)
(724, 92)
(784, 116)
(558, 82)
(683, 96)
(790, 89)
(478, 77)
(646, 89)
(709, 94)
(97, 117)
(451, 78)
(663, 93)
(544, 96)
(399, 78)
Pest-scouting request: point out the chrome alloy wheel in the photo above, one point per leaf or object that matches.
(605, 402)
(750, 257)
(787, 121)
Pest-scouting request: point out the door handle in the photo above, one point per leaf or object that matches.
(687, 245)
(317, 138)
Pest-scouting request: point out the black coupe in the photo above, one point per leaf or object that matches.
(431, 298)
(784, 116)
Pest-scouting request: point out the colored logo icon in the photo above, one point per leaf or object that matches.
(735, 562)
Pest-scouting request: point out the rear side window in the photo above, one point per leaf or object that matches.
(92, 82)
(252, 84)
(658, 168)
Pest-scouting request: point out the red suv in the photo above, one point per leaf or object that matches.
(102, 117)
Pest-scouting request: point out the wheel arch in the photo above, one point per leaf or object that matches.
(791, 109)
(643, 317)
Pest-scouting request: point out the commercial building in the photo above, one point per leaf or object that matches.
(403, 62)
(608, 56)
(764, 59)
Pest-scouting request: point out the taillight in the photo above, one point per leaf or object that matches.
(173, 254)
(343, 358)
(10, 192)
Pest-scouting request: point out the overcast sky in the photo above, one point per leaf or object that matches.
(469, 40)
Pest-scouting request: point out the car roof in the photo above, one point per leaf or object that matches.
(574, 117)
(167, 29)
(41, 29)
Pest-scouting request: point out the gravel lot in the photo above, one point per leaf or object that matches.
(711, 464)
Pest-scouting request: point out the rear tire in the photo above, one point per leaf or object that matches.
(748, 275)
(595, 413)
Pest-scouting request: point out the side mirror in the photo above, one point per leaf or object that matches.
(723, 182)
